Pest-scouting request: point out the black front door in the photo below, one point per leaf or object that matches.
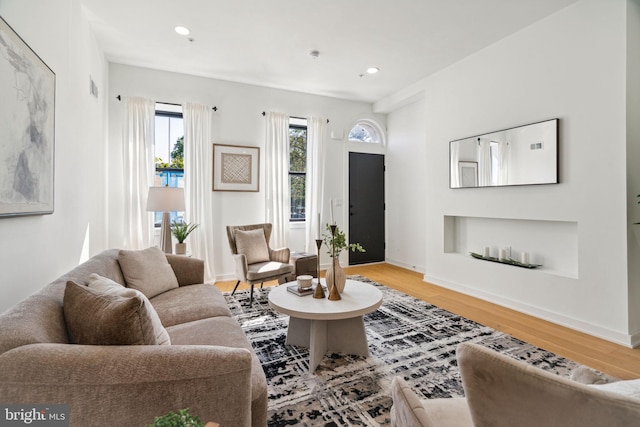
(366, 207)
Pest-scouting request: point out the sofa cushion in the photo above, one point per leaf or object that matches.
(148, 271)
(267, 270)
(189, 303)
(253, 244)
(108, 286)
(115, 317)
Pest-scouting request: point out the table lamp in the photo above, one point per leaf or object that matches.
(165, 200)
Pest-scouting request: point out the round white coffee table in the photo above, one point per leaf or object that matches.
(326, 326)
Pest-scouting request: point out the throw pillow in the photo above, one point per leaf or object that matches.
(253, 244)
(147, 271)
(108, 286)
(98, 318)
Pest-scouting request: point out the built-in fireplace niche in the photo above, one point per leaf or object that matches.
(553, 244)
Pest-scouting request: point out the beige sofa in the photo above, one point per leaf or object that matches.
(209, 367)
(503, 392)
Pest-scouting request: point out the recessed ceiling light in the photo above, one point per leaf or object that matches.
(372, 70)
(183, 31)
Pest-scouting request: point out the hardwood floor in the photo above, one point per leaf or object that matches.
(613, 359)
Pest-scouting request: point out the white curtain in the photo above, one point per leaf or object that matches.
(502, 163)
(138, 140)
(314, 187)
(484, 163)
(277, 176)
(454, 169)
(198, 179)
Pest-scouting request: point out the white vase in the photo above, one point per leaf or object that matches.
(341, 277)
(181, 248)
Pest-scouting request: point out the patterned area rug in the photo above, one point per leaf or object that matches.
(407, 337)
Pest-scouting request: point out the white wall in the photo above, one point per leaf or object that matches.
(633, 161)
(37, 249)
(406, 176)
(238, 121)
(571, 65)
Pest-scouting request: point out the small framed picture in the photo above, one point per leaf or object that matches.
(468, 173)
(236, 168)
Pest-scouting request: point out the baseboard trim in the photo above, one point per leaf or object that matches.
(416, 268)
(630, 341)
(225, 277)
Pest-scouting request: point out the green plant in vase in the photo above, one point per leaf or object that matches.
(181, 231)
(181, 418)
(335, 244)
(339, 242)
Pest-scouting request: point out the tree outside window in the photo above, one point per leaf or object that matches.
(297, 171)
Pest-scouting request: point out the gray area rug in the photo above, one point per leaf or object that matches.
(407, 337)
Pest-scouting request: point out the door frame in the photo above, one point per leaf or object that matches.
(363, 148)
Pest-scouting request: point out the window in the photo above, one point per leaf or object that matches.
(297, 168)
(365, 131)
(169, 151)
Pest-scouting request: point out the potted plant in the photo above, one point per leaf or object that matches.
(180, 231)
(335, 244)
(181, 418)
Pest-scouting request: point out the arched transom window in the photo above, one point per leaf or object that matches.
(365, 131)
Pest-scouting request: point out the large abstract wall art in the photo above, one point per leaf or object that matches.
(27, 128)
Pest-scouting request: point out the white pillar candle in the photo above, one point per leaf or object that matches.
(331, 203)
(503, 254)
(487, 252)
(524, 257)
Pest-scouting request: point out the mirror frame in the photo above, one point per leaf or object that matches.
(554, 180)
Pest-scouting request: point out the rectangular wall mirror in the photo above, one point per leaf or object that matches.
(522, 155)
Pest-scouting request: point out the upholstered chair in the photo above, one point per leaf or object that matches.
(503, 392)
(254, 259)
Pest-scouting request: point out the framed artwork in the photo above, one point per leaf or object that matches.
(27, 131)
(236, 168)
(468, 172)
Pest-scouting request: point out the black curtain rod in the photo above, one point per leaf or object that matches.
(119, 98)
(293, 117)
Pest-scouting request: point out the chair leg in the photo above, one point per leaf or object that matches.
(251, 297)
(261, 285)
(236, 287)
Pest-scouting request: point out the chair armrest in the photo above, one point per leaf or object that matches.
(130, 385)
(242, 267)
(189, 271)
(281, 255)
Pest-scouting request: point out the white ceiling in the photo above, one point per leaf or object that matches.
(267, 43)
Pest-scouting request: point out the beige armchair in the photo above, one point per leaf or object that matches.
(503, 392)
(255, 261)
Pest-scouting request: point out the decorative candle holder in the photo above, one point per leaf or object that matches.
(334, 294)
(319, 292)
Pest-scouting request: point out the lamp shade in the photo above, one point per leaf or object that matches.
(165, 199)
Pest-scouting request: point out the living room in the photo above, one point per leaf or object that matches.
(577, 64)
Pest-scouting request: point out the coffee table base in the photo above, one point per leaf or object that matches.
(328, 336)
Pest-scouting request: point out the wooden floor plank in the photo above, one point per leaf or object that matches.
(608, 357)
